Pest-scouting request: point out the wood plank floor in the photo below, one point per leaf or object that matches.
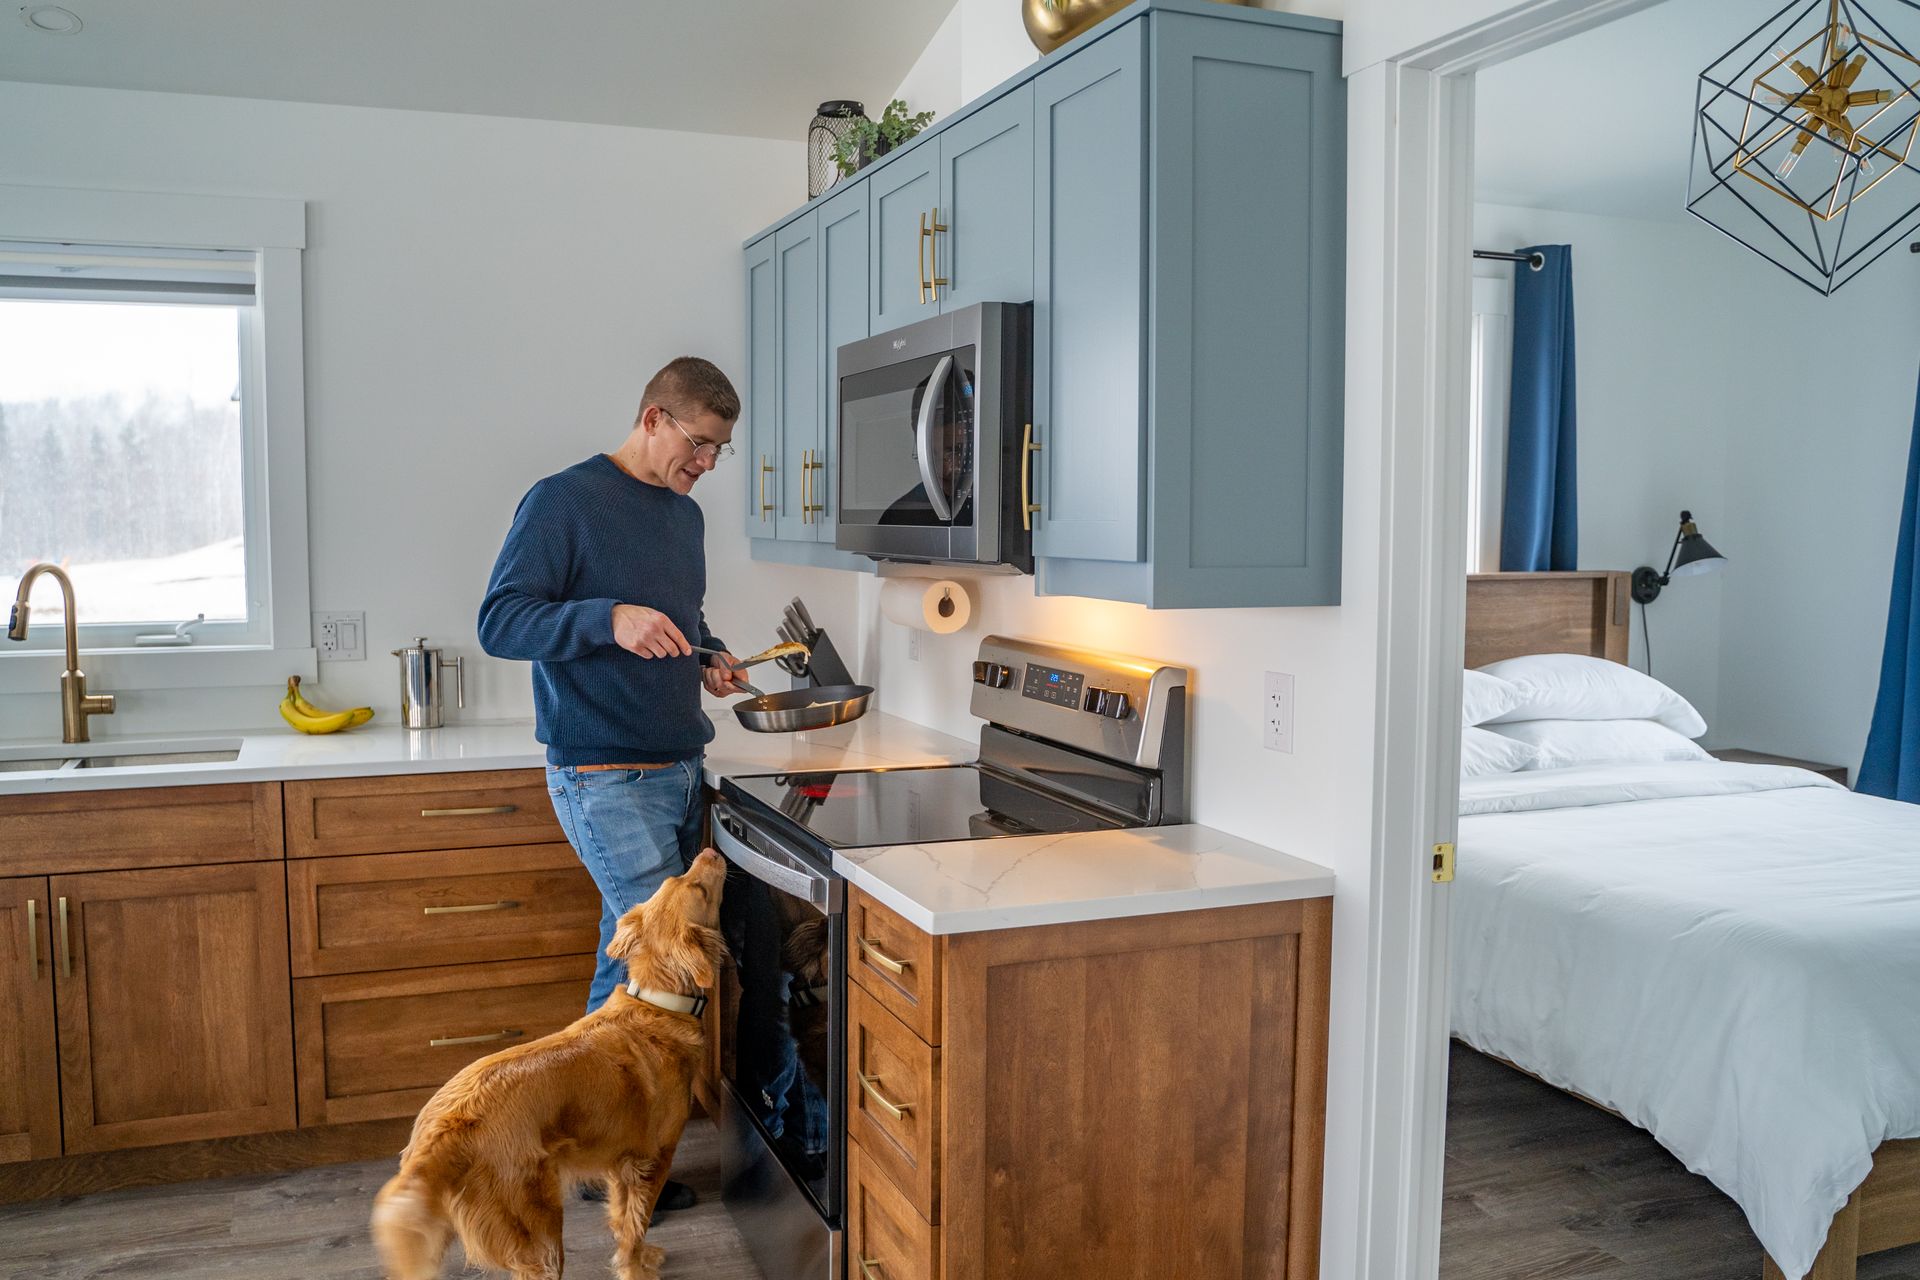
(1539, 1184)
(312, 1225)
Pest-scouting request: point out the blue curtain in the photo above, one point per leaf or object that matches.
(1540, 523)
(1892, 764)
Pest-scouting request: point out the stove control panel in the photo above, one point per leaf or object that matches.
(1110, 703)
(1051, 684)
(994, 675)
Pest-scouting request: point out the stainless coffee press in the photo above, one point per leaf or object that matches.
(421, 685)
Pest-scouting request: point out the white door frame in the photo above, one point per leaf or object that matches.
(1410, 227)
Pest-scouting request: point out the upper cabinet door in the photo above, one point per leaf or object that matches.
(797, 266)
(1089, 167)
(901, 199)
(843, 319)
(986, 204)
(760, 442)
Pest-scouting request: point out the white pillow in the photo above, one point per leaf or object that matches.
(1567, 744)
(1483, 752)
(1485, 697)
(1572, 686)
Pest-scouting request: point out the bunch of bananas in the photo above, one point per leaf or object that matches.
(307, 718)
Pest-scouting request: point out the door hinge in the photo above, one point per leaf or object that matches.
(1443, 864)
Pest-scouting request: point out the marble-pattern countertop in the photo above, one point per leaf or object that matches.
(956, 886)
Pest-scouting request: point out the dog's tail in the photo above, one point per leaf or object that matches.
(410, 1228)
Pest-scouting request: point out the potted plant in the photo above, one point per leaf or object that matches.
(868, 140)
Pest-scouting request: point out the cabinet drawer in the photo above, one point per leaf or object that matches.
(886, 1239)
(893, 1100)
(448, 906)
(335, 816)
(897, 964)
(365, 1042)
(72, 831)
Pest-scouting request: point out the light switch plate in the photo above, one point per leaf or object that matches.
(340, 637)
(1276, 712)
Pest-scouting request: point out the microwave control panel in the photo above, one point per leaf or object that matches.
(1050, 684)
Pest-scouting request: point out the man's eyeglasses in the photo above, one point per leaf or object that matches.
(707, 449)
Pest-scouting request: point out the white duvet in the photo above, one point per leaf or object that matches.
(1728, 955)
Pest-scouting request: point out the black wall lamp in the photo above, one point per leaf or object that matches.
(1691, 554)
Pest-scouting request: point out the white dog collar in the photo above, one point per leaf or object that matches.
(694, 1005)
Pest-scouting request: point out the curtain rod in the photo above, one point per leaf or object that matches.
(1539, 260)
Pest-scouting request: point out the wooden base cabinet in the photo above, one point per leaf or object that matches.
(29, 1088)
(1134, 1098)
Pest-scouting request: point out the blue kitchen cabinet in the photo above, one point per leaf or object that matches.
(1191, 415)
(985, 253)
(796, 254)
(843, 319)
(901, 199)
(761, 438)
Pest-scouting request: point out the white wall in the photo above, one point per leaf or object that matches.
(934, 82)
(485, 298)
(1711, 380)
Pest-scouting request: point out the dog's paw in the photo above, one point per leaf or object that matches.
(644, 1265)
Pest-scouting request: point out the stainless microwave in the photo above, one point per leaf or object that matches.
(932, 427)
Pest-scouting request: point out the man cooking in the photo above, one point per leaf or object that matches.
(599, 585)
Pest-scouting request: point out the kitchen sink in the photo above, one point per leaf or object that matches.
(156, 754)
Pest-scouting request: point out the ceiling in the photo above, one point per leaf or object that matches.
(1603, 122)
(753, 67)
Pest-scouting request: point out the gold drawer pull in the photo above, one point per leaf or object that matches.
(897, 1110)
(33, 942)
(881, 958)
(470, 813)
(868, 1266)
(506, 904)
(60, 936)
(489, 1038)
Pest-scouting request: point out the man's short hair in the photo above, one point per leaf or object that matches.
(690, 385)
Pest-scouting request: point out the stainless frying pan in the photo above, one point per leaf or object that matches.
(820, 707)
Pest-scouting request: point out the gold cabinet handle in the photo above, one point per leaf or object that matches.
(935, 278)
(814, 504)
(806, 475)
(506, 904)
(60, 936)
(920, 258)
(895, 1109)
(479, 811)
(881, 958)
(33, 942)
(1028, 507)
(489, 1038)
(765, 506)
(868, 1266)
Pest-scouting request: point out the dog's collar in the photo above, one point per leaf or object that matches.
(694, 1005)
(807, 997)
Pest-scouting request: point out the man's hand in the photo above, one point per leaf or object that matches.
(647, 632)
(721, 678)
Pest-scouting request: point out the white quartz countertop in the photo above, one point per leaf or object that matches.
(958, 886)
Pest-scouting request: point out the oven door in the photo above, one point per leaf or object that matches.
(785, 924)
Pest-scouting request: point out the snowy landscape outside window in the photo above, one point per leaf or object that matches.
(126, 447)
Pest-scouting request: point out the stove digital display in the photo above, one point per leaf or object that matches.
(1048, 684)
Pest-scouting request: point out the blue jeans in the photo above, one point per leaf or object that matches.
(632, 829)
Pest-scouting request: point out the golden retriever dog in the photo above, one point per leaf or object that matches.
(493, 1152)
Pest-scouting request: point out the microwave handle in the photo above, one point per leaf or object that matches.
(923, 438)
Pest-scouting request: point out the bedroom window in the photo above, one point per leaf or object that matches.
(1490, 382)
(130, 435)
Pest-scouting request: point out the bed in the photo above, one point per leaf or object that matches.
(1727, 955)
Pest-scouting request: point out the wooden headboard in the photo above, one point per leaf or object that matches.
(1509, 614)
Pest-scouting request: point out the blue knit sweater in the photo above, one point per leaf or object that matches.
(583, 541)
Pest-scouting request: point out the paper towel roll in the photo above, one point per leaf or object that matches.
(941, 606)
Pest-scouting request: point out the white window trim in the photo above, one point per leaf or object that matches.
(1490, 389)
(276, 230)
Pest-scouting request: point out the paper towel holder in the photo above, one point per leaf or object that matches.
(946, 605)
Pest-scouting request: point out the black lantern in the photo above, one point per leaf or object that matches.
(830, 121)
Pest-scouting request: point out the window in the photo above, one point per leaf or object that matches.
(126, 425)
(152, 434)
(1490, 385)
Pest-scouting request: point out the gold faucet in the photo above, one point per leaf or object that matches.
(76, 704)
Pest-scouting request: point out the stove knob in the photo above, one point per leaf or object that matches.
(1108, 702)
(994, 675)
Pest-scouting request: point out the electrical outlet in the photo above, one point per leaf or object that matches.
(340, 637)
(913, 644)
(1276, 712)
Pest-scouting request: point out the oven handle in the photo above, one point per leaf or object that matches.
(923, 438)
(802, 883)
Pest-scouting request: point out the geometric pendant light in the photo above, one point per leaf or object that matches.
(1803, 133)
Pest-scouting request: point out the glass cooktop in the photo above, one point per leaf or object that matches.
(858, 808)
